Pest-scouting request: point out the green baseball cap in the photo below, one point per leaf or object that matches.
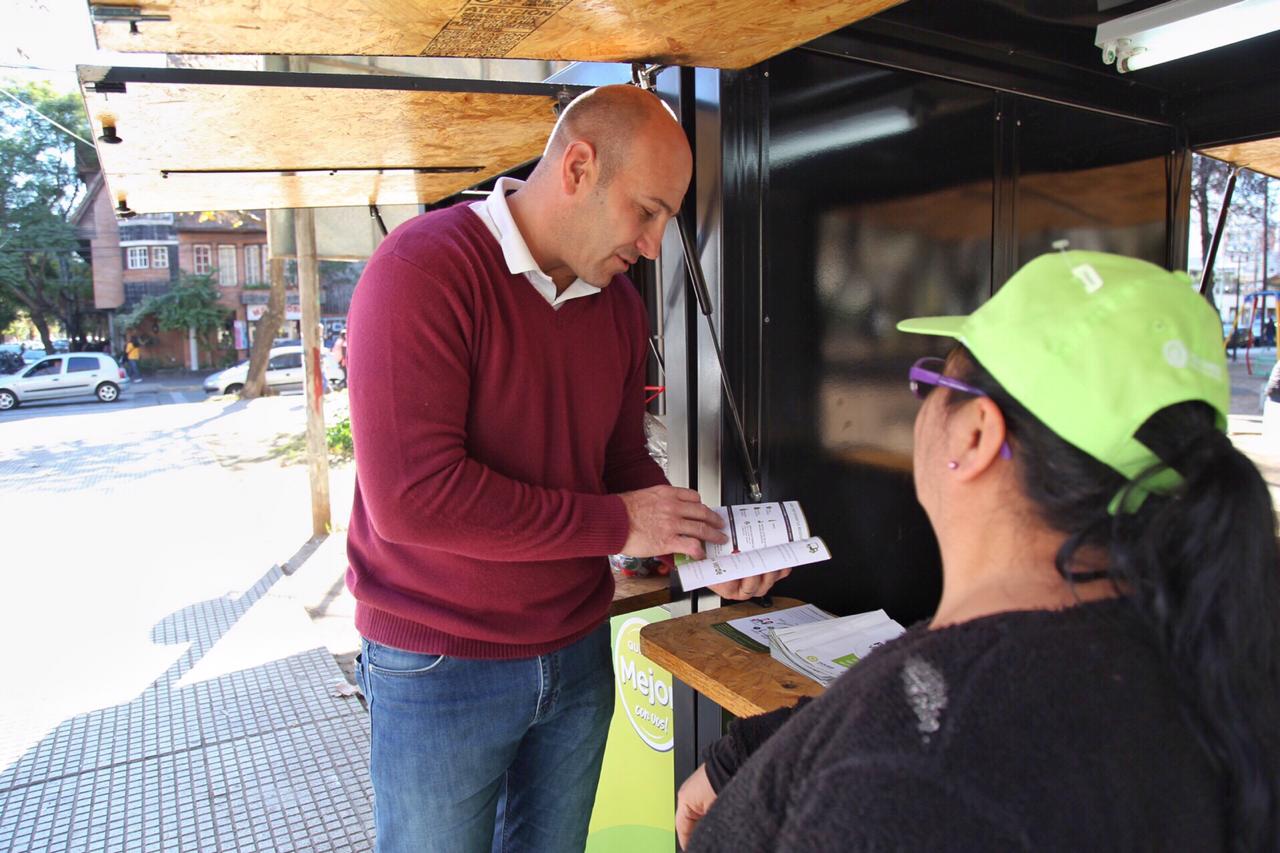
(1093, 345)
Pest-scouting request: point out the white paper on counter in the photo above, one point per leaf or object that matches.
(758, 627)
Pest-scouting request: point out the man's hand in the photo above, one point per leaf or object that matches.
(695, 797)
(752, 587)
(665, 520)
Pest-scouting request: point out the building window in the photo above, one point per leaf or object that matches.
(252, 265)
(203, 259)
(266, 264)
(137, 257)
(160, 257)
(227, 266)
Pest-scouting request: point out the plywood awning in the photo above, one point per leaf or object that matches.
(218, 140)
(1261, 155)
(724, 34)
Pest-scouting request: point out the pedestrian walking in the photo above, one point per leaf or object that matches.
(340, 353)
(132, 351)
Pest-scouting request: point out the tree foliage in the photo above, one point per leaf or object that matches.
(191, 303)
(41, 270)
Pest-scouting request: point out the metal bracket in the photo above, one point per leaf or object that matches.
(376, 215)
(131, 15)
(102, 87)
(646, 76)
(564, 97)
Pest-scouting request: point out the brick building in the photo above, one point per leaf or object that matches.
(143, 256)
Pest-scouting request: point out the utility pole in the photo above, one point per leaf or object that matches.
(304, 240)
(304, 227)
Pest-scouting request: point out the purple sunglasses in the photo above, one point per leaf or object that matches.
(927, 372)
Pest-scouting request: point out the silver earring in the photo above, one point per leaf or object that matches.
(953, 464)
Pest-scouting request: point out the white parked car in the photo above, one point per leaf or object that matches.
(63, 376)
(284, 371)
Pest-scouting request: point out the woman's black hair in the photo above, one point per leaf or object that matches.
(1201, 565)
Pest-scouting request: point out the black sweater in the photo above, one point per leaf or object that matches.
(1022, 731)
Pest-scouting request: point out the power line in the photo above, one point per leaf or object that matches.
(37, 68)
(27, 106)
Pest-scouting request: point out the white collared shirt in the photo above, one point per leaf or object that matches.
(496, 216)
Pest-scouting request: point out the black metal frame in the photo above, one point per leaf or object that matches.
(115, 79)
(1004, 254)
(744, 141)
(935, 54)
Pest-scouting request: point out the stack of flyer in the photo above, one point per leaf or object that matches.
(826, 648)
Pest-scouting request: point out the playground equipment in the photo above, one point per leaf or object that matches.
(1254, 299)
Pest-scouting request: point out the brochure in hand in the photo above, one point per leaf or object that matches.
(824, 649)
(762, 538)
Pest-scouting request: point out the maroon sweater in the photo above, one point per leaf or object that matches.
(492, 434)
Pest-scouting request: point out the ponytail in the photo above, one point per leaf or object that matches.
(1202, 567)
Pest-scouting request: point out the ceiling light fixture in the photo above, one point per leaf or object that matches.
(1182, 28)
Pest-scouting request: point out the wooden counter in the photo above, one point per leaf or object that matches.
(632, 594)
(742, 681)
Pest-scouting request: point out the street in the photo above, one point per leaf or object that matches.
(153, 392)
(169, 686)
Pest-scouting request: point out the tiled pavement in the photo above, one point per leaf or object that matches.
(162, 693)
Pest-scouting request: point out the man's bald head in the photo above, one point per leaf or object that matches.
(614, 173)
(611, 119)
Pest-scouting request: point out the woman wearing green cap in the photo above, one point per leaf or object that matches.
(1103, 670)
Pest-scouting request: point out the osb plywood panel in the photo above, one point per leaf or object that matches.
(226, 130)
(1111, 196)
(632, 594)
(741, 681)
(1262, 155)
(721, 34)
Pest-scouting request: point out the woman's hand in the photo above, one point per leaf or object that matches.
(693, 801)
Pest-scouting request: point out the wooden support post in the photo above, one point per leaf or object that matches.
(304, 227)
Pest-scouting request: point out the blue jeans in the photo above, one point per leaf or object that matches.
(478, 755)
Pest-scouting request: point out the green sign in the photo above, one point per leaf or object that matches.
(635, 804)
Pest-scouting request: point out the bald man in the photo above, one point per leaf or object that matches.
(497, 404)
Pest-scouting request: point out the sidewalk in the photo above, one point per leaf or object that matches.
(1245, 422)
(183, 386)
(178, 689)
(177, 380)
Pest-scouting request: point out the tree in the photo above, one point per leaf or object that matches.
(191, 303)
(41, 270)
(1248, 201)
(9, 309)
(264, 333)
